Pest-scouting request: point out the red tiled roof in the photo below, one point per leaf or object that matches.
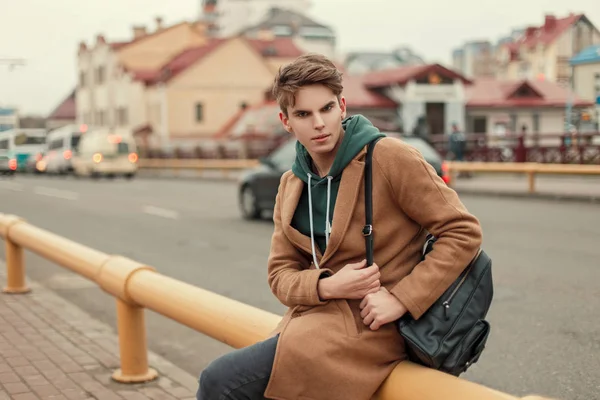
(549, 32)
(66, 109)
(401, 75)
(283, 47)
(358, 96)
(118, 45)
(260, 119)
(488, 92)
(280, 47)
(191, 56)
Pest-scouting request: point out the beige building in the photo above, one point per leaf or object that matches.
(110, 90)
(475, 60)
(586, 83)
(543, 52)
(176, 83)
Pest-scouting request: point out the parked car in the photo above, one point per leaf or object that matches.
(258, 186)
(8, 164)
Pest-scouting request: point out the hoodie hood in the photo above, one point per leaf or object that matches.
(314, 213)
(358, 132)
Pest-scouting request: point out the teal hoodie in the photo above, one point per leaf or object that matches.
(359, 132)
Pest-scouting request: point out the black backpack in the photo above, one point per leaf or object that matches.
(451, 335)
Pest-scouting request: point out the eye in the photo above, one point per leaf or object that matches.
(301, 114)
(328, 108)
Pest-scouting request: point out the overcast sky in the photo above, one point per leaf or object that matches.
(46, 33)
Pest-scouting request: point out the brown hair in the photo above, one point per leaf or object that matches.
(309, 69)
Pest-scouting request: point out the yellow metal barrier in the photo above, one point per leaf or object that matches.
(530, 169)
(136, 286)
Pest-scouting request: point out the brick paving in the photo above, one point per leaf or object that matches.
(51, 349)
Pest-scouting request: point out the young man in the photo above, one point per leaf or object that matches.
(337, 341)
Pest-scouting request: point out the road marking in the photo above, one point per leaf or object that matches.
(15, 187)
(160, 212)
(60, 194)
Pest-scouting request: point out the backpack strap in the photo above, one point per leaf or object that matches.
(368, 228)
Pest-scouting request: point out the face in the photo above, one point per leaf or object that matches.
(316, 119)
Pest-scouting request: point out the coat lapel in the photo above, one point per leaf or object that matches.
(291, 197)
(345, 203)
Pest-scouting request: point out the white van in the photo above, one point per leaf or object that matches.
(61, 144)
(106, 152)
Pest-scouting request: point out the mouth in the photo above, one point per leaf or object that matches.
(321, 137)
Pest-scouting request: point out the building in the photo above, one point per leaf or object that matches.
(229, 17)
(9, 119)
(503, 107)
(475, 59)
(194, 95)
(111, 88)
(543, 52)
(586, 80)
(361, 62)
(427, 100)
(429, 96)
(64, 114)
(307, 34)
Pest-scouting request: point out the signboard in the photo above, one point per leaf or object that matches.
(437, 93)
(598, 100)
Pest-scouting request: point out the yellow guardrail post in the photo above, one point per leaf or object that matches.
(15, 262)
(114, 277)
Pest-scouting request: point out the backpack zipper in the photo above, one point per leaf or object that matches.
(446, 303)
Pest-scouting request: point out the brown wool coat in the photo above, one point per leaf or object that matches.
(325, 352)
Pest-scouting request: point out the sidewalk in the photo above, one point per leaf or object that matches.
(574, 188)
(50, 349)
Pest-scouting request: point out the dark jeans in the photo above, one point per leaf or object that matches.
(241, 374)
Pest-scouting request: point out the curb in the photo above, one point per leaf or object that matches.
(562, 197)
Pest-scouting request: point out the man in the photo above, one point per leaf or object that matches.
(338, 340)
(457, 143)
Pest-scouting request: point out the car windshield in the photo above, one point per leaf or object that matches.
(284, 156)
(426, 150)
(75, 141)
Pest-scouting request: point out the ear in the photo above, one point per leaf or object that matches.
(285, 121)
(343, 106)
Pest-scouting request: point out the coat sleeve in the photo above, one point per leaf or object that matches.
(428, 201)
(288, 275)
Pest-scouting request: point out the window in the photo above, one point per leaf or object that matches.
(283, 157)
(536, 123)
(122, 148)
(75, 141)
(122, 117)
(55, 144)
(199, 112)
(4, 144)
(282, 30)
(100, 75)
(479, 125)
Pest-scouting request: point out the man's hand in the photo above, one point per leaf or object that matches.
(354, 281)
(378, 309)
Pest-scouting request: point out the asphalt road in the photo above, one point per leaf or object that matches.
(545, 317)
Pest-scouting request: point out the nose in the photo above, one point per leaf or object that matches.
(319, 122)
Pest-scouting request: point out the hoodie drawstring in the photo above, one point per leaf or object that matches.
(310, 215)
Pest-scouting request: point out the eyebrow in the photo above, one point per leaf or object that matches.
(331, 103)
